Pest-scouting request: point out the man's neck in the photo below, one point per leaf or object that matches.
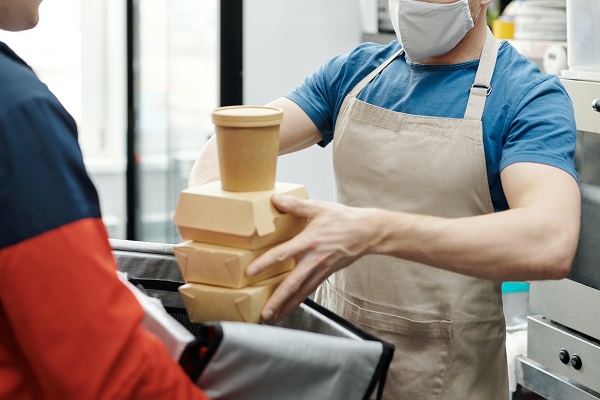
(468, 49)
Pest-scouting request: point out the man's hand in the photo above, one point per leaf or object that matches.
(334, 237)
(535, 239)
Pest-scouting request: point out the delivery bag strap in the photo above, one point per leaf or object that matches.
(198, 353)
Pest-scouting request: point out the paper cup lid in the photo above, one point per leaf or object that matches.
(247, 116)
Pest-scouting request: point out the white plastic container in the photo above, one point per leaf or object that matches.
(583, 36)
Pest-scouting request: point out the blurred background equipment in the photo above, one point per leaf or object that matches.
(583, 40)
(563, 347)
(541, 20)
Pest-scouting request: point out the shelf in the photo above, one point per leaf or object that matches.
(381, 37)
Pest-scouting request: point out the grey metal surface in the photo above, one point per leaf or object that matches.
(587, 159)
(582, 93)
(545, 341)
(586, 266)
(569, 303)
(550, 385)
(571, 307)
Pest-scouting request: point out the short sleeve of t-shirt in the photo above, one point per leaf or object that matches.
(528, 116)
(322, 93)
(541, 128)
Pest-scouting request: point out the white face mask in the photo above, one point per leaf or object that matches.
(429, 29)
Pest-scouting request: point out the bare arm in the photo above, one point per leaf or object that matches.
(297, 132)
(535, 239)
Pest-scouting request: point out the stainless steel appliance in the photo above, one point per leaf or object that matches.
(563, 346)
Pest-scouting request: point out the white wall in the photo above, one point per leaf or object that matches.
(284, 41)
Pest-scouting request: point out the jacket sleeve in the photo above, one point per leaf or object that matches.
(76, 325)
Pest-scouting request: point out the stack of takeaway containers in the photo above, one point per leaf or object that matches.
(228, 223)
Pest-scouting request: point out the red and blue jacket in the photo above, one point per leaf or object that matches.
(69, 329)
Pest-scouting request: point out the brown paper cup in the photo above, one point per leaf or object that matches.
(248, 146)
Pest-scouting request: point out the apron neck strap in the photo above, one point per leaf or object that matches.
(481, 87)
(359, 87)
(479, 90)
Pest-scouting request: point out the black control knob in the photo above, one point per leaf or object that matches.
(563, 356)
(596, 105)
(576, 362)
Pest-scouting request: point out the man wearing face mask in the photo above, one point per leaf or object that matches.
(450, 178)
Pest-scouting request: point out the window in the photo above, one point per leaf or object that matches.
(79, 49)
(177, 62)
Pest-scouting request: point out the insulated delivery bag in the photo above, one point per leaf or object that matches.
(311, 354)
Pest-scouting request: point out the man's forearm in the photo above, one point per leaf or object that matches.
(516, 244)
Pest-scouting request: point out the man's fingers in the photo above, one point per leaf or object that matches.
(309, 287)
(274, 256)
(301, 282)
(304, 278)
(293, 205)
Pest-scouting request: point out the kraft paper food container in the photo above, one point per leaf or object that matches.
(222, 265)
(248, 146)
(247, 220)
(205, 303)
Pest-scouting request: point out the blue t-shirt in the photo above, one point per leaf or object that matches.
(528, 115)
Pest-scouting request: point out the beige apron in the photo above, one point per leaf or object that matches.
(448, 328)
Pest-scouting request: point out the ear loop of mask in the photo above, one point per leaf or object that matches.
(477, 15)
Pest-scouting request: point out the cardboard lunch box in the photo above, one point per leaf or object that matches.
(222, 265)
(205, 303)
(247, 220)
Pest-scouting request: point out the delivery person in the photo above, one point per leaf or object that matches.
(69, 329)
(453, 160)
